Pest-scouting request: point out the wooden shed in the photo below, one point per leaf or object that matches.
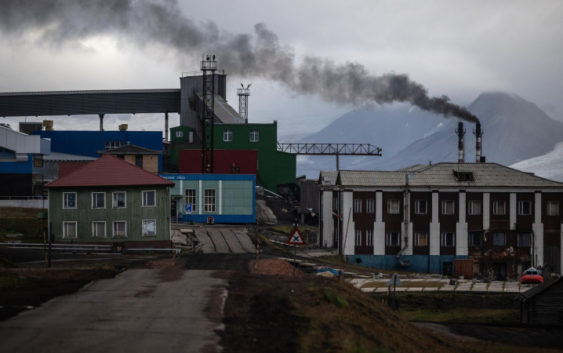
(543, 304)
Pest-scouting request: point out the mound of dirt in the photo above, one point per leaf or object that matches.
(273, 267)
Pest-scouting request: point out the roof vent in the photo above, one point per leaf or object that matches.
(463, 176)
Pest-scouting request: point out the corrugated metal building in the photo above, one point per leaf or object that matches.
(543, 305)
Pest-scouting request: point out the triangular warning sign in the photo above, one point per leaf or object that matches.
(296, 238)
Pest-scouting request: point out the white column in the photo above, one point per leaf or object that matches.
(435, 226)
(512, 211)
(486, 211)
(220, 196)
(379, 226)
(461, 227)
(348, 234)
(537, 228)
(406, 231)
(327, 221)
(200, 198)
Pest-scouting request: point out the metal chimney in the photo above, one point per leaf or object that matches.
(478, 136)
(460, 147)
(243, 94)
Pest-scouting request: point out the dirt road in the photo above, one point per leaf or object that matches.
(140, 310)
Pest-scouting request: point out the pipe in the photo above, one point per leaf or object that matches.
(101, 122)
(166, 126)
(460, 145)
(478, 137)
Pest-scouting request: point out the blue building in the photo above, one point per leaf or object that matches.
(88, 143)
(213, 198)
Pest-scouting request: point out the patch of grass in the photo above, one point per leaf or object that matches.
(335, 299)
(463, 315)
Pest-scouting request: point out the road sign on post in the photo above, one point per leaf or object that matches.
(188, 208)
(296, 238)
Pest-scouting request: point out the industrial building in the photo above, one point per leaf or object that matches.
(424, 218)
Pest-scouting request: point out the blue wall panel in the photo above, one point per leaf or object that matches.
(412, 263)
(12, 167)
(87, 143)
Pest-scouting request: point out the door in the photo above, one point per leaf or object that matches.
(174, 210)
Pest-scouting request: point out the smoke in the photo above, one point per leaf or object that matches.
(145, 22)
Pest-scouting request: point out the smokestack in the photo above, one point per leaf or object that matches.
(123, 127)
(48, 124)
(243, 94)
(478, 137)
(460, 147)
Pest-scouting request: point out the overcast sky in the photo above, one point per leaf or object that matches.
(453, 48)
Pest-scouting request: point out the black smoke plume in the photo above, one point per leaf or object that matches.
(144, 22)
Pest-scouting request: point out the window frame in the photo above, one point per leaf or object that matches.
(357, 206)
(187, 197)
(357, 237)
(94, 207)
(494, 239)
(471, 207)
(389, 237)
(65, 204)
(65, 235)
(444, 243)
(471, 242)
(254, 136)
(209, 207)
(389, 206)
(444, 207)
(521, 206)
(370, 206)
(113, 229)
(518, 239)
(143, 198)
(550, 207)
(94, 228)
(113, 200)
(417, 236)
(179, 134)
(496, 206)
(153, 220)
(417, 204)
(228, 135)
(369, 237)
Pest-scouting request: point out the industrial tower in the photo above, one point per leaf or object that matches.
(208, 67)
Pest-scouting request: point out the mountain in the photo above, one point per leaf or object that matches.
(514, 130)
(374, 125)
(549, 166)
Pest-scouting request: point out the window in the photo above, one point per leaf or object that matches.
(370, 206)
(447, 239)
(524, 207)
(98, 200)
(358, 234)
(420, 239)
(209, 202)
(499, 208)
(474, 207)
(113, 144)
(393, 206)
(475, 238)
(139, 160)
(499, 239)
(120, 228)
(254, 136)
(69, 200)
(552, 208)
(228, 136)
(38, 162)
(393, 239)
(420, 206)
(149, 198)
(69, 230)
(369, 237)
(190, 198)
(99, 229)
(357, 205)
(448, 207)
(524, 240)
(119, 199)
(463, 176)
(149, 227)
(179, 134)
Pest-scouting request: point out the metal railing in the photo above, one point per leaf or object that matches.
(60, 247)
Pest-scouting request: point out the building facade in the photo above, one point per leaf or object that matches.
(424, 219)
(213, 198)
(110, 201)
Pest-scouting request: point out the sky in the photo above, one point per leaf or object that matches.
(454, 48)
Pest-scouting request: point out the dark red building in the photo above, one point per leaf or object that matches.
(225, 161)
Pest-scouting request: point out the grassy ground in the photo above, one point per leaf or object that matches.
(23, 221)
(312, 314)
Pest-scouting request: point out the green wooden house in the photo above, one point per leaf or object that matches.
(110, 201)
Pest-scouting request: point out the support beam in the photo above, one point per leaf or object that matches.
(166, 126)
(101, 121)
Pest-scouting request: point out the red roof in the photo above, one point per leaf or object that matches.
(69, 167)
(108, 170)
